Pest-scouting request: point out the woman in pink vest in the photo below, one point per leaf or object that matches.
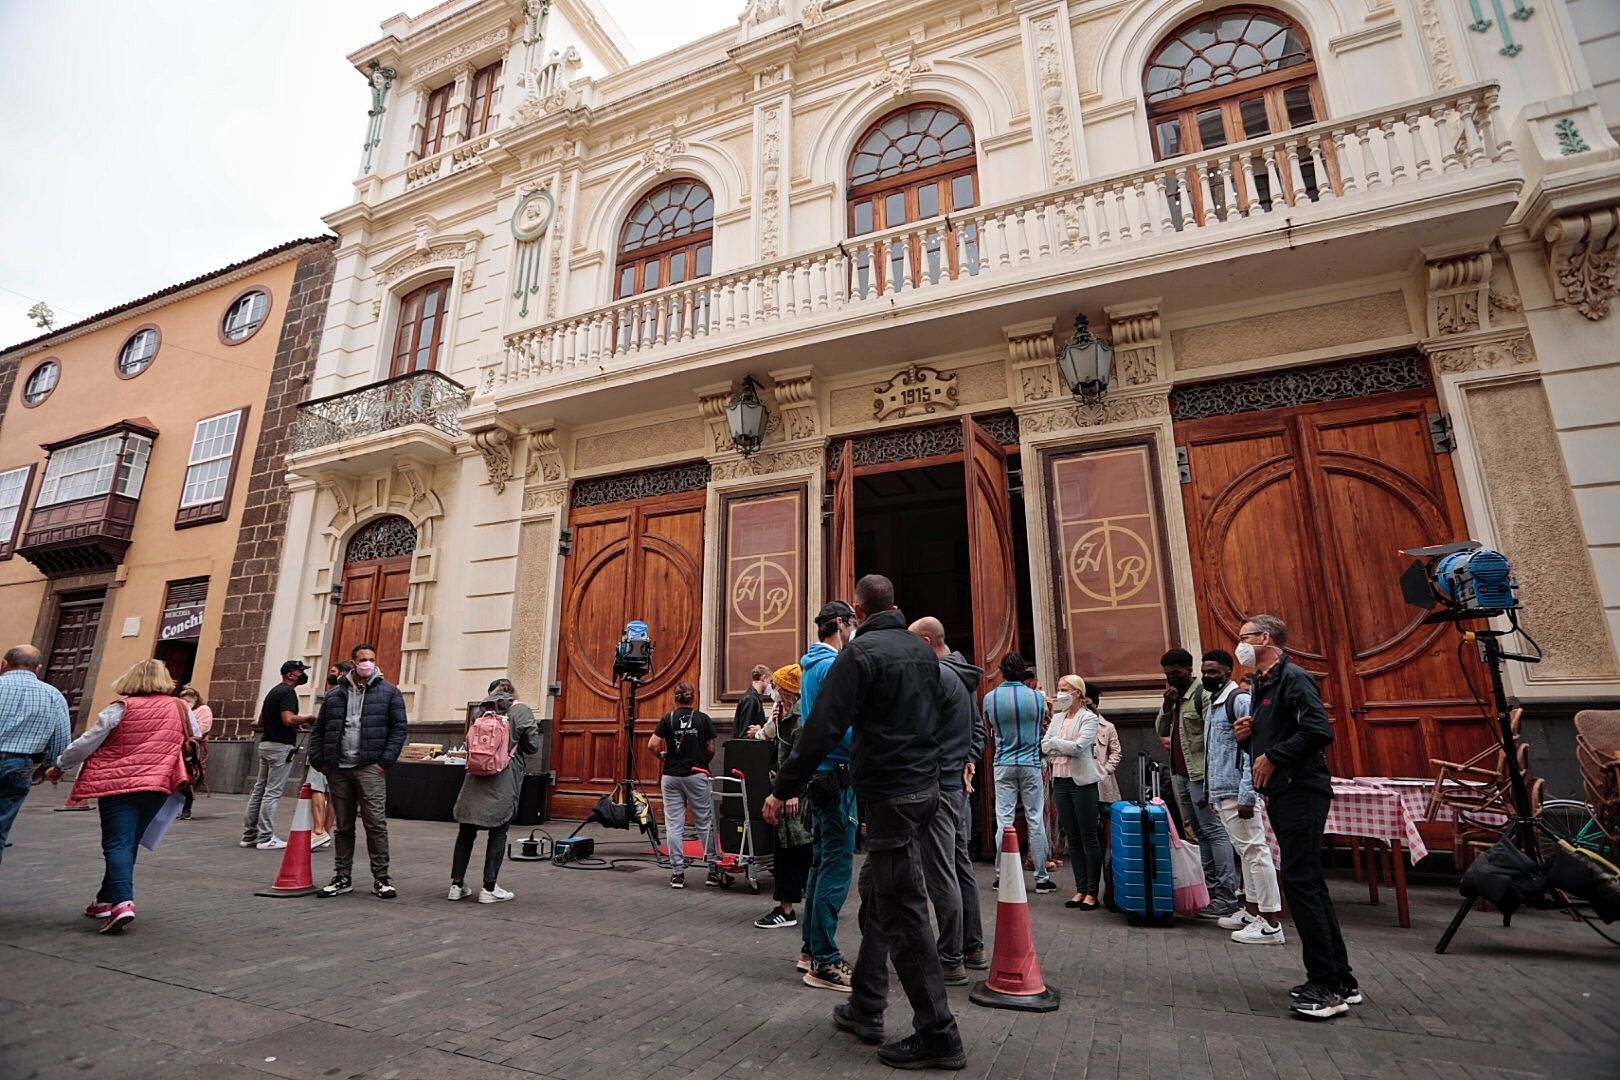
(132, 764)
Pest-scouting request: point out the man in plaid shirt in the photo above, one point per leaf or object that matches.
(34, 730)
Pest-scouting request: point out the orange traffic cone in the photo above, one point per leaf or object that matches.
(1015, 973)
(296, 877)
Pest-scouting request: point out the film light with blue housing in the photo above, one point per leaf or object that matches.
(1467, 578)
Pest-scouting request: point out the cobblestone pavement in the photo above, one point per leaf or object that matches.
(612, 975)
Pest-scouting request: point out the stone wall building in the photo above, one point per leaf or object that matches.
(143, 481)
(1355, 258)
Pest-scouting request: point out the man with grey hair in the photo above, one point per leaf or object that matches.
(1287, 736)
(947, 858)
(34, 730)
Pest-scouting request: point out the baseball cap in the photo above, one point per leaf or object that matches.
(293, 665)
(834, 609)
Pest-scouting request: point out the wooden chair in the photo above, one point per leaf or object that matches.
(1597, 742)
(1480, 783)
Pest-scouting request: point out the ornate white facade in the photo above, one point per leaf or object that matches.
(1469, 219)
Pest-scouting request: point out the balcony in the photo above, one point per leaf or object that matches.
(1380, 185)
(81, 536)
(358, 431)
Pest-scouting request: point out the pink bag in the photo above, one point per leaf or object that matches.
(1187, 872)
(489, 745)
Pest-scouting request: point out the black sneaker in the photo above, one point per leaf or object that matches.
(383, 889)
(1046, 886)
(1318, 1002)
(775, 919)
(336, 887)
(718, 880)
(1351, 994)
(866, 1028)
(996, 884)
(916, 1052)
(677, 881)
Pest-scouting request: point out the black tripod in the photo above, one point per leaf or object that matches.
(1522, 829)
(637, 810)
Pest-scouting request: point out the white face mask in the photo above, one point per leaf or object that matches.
(1063, 702)
(770, 692)
(365, 668)
(1245, 654)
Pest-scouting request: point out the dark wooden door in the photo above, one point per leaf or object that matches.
(641, 560)
(841, 529)
(1302, 512)
(73, 645)
(376, 594)
(995, 585)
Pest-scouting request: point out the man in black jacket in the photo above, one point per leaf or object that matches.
(1287, 737)
(886, 685)
(358, 734)
(751, 709)
(947, 853)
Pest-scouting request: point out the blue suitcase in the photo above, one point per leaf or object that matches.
(1139, 841)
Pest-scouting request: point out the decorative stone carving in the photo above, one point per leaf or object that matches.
(770, 173)
(712, 401)
(812, 14)
(460, 52)
(1137, 334)
(759, 11)
(463, 253)
(1300, 386)
(1112, 410)
(1459, 294)
(1484, 355)
(1570, 142)
(380, 78)
(545, 460)
(808, 457)
(1032, 352)
(559, 221)
(661, 154)
(915, 391)
(795, 396)
(1436, 44)
(1583, 251)
(545, 498)
(1035, 384)
(903, 68)
(1054, 94)
(496, 446)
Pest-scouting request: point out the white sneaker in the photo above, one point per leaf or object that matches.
(275, 843)
(459, 892)
(1236, 921)
(320, 842)
(493, 896)
(1259, 932)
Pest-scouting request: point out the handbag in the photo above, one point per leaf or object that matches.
(1187, 874)
(153, 836)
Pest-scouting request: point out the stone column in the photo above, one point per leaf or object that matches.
(537, 604)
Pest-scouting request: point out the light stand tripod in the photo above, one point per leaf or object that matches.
(1522, 827)
(635, 803)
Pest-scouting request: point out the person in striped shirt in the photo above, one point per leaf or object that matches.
(1017, 714)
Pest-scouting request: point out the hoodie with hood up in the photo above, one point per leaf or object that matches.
(814, 664)
(961, 733)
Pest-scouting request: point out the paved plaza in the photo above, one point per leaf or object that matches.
(613, 976)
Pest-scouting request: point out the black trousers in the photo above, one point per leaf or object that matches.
(1298, 817)
(1077, 816)
(790, 871)
(894, 918)
(494, 852)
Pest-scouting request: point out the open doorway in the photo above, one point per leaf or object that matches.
(911, 526)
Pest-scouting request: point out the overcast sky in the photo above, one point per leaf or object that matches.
(147, 143)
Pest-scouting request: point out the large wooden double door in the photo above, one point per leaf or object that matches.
(633, 560)
(73, 646)
(1302, 513)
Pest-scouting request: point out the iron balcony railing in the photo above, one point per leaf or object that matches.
(421, 397)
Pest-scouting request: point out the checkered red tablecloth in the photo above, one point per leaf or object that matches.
(1363, 809)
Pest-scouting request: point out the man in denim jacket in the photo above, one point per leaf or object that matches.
(1231, 792)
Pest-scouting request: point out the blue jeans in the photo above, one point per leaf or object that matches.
(1013, 782)
(1214, 846)
(16, 778)
(124, 819)
(831, 866)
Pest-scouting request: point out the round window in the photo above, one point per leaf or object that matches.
(138, 352)
(40, 382)
(244, 317)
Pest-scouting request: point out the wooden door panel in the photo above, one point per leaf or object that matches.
(376, 597)
(631, 561)
(1391, 744)
(990, 547)
(841, 530)
(78, 622)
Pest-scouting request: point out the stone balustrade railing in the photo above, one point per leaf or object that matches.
(447, 162)
(1179, 201)
(422, 397)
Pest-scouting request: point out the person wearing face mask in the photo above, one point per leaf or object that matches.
(357, 736)
(1070, 745)
(1287, 736)
(1229, 780)
(320, 795)
(1181, 730)
(278, 749)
